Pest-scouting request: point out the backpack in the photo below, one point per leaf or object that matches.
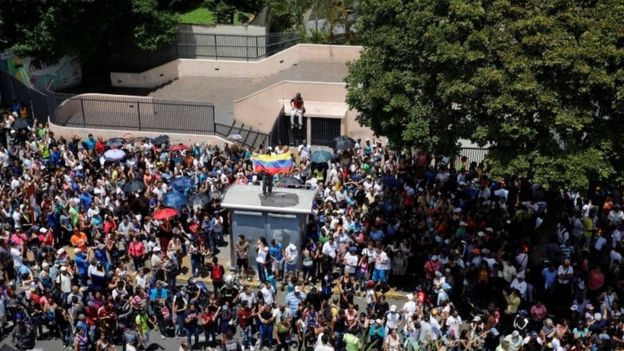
(217, 272)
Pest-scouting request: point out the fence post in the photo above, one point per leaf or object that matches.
(84, 118)
(139, 114)
(257, 54)
(214, 36)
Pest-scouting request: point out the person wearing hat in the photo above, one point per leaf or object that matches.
(514, 341)
(409, 307)
(291, 256)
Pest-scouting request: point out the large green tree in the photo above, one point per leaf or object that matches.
(539, 81)
(94, 30)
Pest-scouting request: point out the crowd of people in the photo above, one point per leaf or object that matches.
(89, 256)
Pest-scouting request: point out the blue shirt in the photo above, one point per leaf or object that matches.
(81, 263)
(549, 277)
(276, 251)
(292, 301)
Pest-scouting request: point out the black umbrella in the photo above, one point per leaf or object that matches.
(342, 143)
(159, 140)
(134, 186)
(289, 181)
(114, 143)
(20, 124)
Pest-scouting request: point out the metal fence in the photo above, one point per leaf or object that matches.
(232, 47)
(474, 154)
(136, 113)
(249, 137)
(123, 112)
(191, 45)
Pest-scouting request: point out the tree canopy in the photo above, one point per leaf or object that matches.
(539, 81)
(47, 30)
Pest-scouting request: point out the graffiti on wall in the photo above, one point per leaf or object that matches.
(63, 74)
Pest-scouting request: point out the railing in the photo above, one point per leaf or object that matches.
(248, 137)
(237, 47)
(474, 154)
(123, 112)
(191, 45)
(135, 113)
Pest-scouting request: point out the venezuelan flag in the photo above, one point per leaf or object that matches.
(273, 164)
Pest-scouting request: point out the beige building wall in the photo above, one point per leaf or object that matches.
(236, 69)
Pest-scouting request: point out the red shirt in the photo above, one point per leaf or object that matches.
(100, 147)
(244, 317)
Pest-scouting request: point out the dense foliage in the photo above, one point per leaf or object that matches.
(539, 81)
(47, 30)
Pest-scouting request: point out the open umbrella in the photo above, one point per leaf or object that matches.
(133, 186)
(114, 155)
(182, 184)
(174, 199)
(159, 140)
(391, 182)
(289, 181)
(20, 123)
(199, 200)
(321, 156)
(115, 143)
(235, 137)
(178, 147)
(342, 143)
(165, 213)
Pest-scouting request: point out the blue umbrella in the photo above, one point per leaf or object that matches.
(174, 199)
(114, 155)
(321, 156)
(391, 182)
(182, 184)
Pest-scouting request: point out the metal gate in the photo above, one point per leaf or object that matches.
(324, 130)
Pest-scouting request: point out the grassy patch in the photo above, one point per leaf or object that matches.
(200, 15)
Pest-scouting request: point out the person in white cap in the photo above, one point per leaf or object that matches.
(409, 307)
(393, 317)
(291, 256)
(515, 341)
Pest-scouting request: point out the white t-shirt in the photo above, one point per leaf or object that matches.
(409, 308)
(65, 281)
(267, 295)
(382, 262)
(350, 261)
(330, 249)
(262, 254)
(453, 323)
(392, 319)
(17, 257)
(564, 271)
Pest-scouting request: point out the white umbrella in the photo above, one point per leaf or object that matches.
(114, 155)
(235, 137)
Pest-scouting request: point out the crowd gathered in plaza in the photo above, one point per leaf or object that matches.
(93, 248)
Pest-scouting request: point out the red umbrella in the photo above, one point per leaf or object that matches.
(178, 147)
(165, 213)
